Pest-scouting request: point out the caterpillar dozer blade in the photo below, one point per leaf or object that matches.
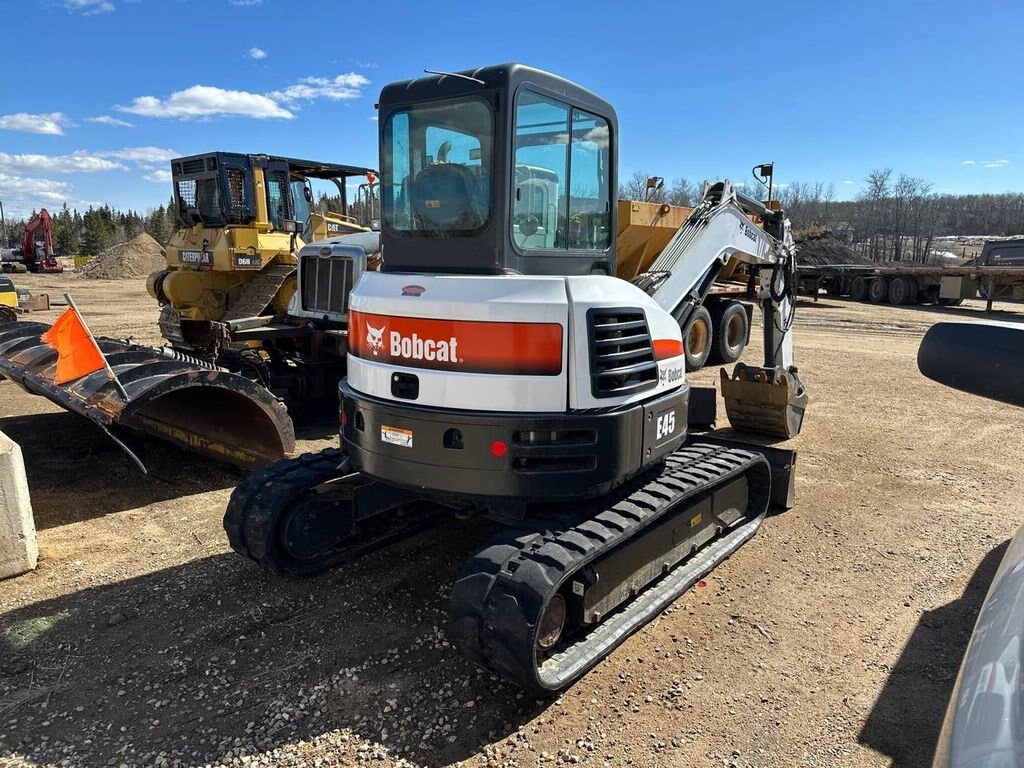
(171, 396)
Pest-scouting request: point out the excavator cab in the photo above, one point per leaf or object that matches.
(499, 169)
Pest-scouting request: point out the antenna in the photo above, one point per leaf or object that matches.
(476, 80)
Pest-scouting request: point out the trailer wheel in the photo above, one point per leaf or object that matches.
(902, 291)
(878, 290)
(731, 329)
(859, 288)
(8, 314)
(697, 339)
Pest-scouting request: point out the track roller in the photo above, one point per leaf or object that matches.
(541, 604)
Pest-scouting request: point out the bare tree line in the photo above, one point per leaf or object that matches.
(893, 218)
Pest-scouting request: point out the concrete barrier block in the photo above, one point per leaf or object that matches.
(18, 548)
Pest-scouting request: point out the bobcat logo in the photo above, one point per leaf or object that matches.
(374, 338)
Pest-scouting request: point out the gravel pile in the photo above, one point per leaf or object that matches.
(134, 259)
(819, 247)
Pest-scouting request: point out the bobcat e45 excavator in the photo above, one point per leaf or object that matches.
(497, 367)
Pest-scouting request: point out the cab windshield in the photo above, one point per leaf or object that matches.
(436, 168)
(300, 204)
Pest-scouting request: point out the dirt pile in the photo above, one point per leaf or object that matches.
(818, 247)
(134, 259)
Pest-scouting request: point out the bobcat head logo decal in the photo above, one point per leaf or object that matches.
(375, 338)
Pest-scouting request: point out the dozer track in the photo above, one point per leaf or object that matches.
(293, 520)
(170, 326)
(258, 293)
(170, 395)
(615, 563)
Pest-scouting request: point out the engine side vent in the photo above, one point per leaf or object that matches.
(193, 166)
(326, 282)
(621, 353)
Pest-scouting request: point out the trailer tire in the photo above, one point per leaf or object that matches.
(8, 314)
(902, 291)
(859, 288)
(878, 290)
(697, 339)
(731, 331)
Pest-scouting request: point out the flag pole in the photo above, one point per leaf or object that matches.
(113, 376)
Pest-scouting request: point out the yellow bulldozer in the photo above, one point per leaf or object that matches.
(242, 221)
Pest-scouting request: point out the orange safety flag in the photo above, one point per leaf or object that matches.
(78, 354)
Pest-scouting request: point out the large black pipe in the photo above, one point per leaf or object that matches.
(985, 359)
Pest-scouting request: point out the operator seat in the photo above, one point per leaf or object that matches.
(443, 197)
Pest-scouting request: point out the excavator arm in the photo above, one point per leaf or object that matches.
(770, 399)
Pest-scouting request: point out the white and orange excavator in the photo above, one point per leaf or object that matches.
(498, 366)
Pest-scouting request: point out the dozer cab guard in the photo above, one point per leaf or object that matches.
(171, 396)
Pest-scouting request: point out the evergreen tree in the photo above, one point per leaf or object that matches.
(95, 232)
(65, 235)
(158, 225)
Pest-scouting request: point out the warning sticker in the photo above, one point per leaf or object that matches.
(396, 436)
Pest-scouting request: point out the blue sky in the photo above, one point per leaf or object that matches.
(100, 93)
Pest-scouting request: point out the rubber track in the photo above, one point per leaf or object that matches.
(256, 501)
(503, 590)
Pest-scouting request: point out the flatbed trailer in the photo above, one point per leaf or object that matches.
(903, 284)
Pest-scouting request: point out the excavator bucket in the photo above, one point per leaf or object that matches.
(178, 399)
(765, 401)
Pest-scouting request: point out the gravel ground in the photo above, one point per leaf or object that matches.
(831, 639)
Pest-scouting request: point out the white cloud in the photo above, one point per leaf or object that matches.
(142, 156)
(89, 7)
(108, 120)
(84, 161)
(345, 86)
(374, 118)
(163, 177)
(246, 3)
(995, 163)
(848, 181)
(49, 123)
(77, 162)
(256, 54)
(208, 101)
(22, 195)
(967, 162)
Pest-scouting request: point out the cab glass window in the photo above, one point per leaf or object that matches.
(437, 161)
(299, 202)
(278, 208)
(561, 189)
(589, 226)
(541, 168)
